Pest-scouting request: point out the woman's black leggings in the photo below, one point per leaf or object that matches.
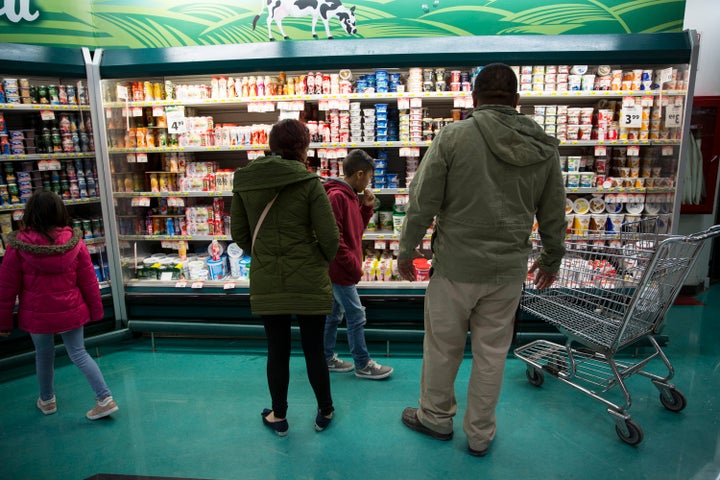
(312, 332)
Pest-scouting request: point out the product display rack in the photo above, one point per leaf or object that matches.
(30, 161)
(149, 298)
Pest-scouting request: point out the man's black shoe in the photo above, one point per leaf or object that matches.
(477, 453)
(410, 419)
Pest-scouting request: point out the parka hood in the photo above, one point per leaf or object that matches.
(270, 172)
(512, 137)
(341, 186)
(35, 249)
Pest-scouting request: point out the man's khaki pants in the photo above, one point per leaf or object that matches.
(451, 308)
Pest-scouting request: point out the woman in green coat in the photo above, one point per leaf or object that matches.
(281, 214)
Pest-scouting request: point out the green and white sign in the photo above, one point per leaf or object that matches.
(167, 23)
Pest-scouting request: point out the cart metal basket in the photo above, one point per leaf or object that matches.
(611, 292)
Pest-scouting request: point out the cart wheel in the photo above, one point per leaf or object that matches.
(673, 400)
(535, 377)
(635, 433)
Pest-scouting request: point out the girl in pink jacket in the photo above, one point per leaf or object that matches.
(48, 267)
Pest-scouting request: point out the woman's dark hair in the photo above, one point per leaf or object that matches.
(290, 139)
(44, 212)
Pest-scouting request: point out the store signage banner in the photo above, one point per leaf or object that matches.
(167, 23)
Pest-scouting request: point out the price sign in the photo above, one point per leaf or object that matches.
(166, 276)
(47, 115)
(17, 215)
(666, 75)
(197, 284)
(228, 285)
(631, 116)
(122, 92)
(633, 151)
(284, 115)
(673, 116)
(601, 151)
(176, 119)
(141, 158)
(380, 245)
(158, 111)
(137, 112)
(181, 284)
(667, 151)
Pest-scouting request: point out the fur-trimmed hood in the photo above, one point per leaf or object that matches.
(36, 249)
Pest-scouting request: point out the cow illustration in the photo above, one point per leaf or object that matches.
(323, 9)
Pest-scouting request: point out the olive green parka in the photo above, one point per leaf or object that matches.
(296, 241)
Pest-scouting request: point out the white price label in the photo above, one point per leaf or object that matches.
(181, 284)
(175, 117)
(137, 112)
(394, 245)
(673, 116)
(166, 276)
(47, 115)
(631, 116)
(228, 285)
(403, 103)
(197, 284)
(122, 92)
(666, 75)
(158, 111)
(667, 150)
(17, 215)
(601, 151)
(284, 115)
(380, 245)
(459, 102)
(141, 158)
(633, 151)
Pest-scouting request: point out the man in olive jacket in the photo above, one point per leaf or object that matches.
(482, 180)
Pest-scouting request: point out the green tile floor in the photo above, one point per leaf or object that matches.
(192, 409)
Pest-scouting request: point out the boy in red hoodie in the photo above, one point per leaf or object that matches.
(352, 217)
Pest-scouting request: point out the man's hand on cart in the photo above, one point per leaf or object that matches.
(542, 279)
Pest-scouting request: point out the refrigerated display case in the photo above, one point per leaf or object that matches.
(176, 123)
(46, 141)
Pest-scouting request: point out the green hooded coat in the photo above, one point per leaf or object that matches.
(483, 179)
(296, 241)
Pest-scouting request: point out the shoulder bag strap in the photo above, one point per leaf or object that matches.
(262, 219)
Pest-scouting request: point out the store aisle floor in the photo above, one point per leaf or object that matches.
(192, 409)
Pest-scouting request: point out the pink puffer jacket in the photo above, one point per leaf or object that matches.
(56, 283)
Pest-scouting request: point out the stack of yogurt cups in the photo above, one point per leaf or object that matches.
(368, 124)
(356, 122)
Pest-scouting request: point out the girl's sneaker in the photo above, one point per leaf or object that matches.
(103, 408)
(48, 407)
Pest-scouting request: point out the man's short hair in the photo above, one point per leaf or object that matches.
(357, 161)
(496, 81)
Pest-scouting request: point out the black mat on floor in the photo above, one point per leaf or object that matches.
(110, 476)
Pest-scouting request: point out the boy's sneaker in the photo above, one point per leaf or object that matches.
(374, 371)
(48, 407)
(337, 365)
(103, 408)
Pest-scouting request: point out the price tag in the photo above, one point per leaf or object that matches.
(673, 116)
(17, 215)
(666, 75)
(137, 112)
(380, 245)
(667, 151)
(631, 116)
(122, 92)
(600, 151)
(47, 115)
(403, 103)
(459, 102)
(175, 117)
(181, 284)
(284, 115)
(228, 285)
(141, 158)
(633, 151)
(394, 245)
(108, 113)
(197, 284)
(166, 276)
(158, 111)
(416, 103)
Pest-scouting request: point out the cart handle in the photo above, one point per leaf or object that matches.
(709, 233)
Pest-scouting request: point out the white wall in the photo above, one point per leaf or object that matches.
(704, 16)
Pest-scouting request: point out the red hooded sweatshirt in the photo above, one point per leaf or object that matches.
(56, 283)
(351, 218)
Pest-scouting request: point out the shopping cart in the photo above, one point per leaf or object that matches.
(611, 293)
